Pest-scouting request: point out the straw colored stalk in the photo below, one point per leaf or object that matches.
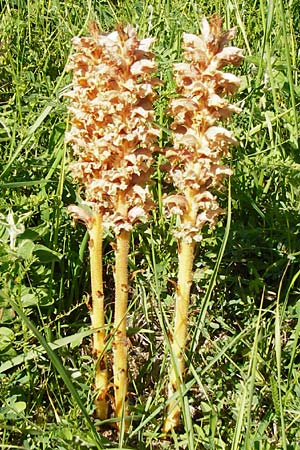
(94, 224)
(195, 167)
(113, 139)
(121, 302)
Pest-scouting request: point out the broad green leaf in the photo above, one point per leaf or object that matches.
(45, 254)
(25, 248)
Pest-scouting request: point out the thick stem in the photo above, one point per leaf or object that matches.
(185, 275)
(97, 315)
(120, 341)
(120, 323)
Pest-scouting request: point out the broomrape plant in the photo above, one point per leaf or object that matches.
(113, 140)
(112, 136)
(195, 166)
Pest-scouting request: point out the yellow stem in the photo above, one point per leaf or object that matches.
(176, 374)
(97, 315)
(120, 341)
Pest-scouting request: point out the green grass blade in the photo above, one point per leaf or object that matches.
(287, 48)
(253, 372)
(37, 351)
(206, 300)
(43, 115)
(57, 364)
(279, 379)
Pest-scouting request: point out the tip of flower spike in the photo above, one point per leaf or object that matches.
(213, 35)
(210, 45)
(94, 29)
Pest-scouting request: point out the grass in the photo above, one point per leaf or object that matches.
(242, 385)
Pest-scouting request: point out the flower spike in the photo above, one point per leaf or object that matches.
(199, 144)
(112, 137)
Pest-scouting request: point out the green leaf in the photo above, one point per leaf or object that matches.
(29, 299)
(19, 407)
(35, 352)
(46, 255)
(6, 338)
(25, 249)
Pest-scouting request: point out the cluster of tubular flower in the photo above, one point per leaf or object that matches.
(195, 165)
(111, 132)
(112, 138)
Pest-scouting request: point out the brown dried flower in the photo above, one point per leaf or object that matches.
(111, 132)
(198, 143)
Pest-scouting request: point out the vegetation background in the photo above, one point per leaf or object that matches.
(242, 386)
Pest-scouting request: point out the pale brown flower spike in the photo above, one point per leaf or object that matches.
(195, 166)
(112, 137)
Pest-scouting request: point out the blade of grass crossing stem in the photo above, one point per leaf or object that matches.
(165, 326)
(180, 394)
(57, 364)
(240, 410)
(278, 361)
(252, 373)
(122, 431)
(212, 282)
(187, 419)
(296, 335)
(287, 47)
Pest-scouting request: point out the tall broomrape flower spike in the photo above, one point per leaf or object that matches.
(195, 165)
(113, 139)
